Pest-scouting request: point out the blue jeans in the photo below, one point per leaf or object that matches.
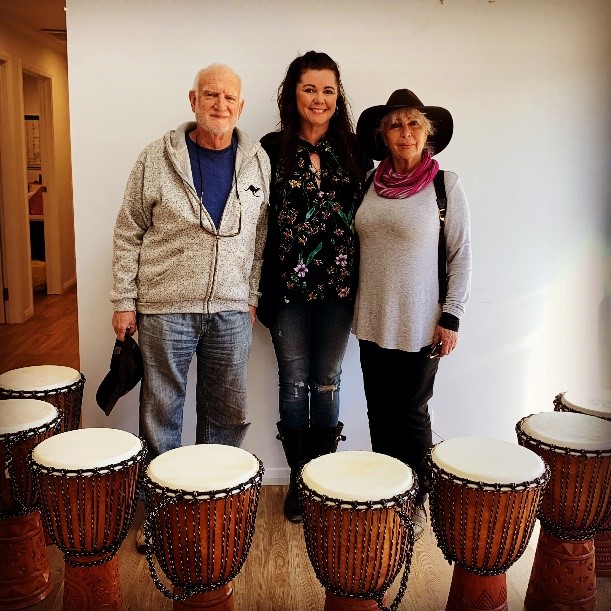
(310, 341)
(222, 343)
(398, 386)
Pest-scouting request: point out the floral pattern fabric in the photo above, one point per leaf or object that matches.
(317, 252)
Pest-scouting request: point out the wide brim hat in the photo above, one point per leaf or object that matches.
(126, 370)
(368, 125)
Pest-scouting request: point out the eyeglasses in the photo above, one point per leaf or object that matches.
(217, 233)
(435, 350)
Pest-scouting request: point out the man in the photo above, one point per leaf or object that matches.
(188, 247)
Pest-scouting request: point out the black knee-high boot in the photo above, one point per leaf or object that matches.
(324, 439)
(295, 444)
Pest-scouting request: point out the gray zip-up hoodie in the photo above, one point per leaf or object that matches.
(164, 260)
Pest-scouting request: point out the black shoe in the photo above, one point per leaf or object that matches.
(293, 510)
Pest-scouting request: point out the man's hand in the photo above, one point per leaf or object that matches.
(122, 321)
(253, 314)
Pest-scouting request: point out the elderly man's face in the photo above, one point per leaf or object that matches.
(217, 104)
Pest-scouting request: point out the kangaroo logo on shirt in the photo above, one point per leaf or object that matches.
(255, 190)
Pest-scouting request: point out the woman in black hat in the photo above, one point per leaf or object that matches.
(310, 266)
(414, 274)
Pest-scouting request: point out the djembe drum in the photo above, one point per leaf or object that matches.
(483, 500)
(61, 386)
(201, 505)
(24, 567)
(577, 448)
(357, 526)
(598, 405)
(88, 480)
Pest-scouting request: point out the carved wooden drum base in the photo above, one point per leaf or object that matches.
(469, 591)
(602, 550)
(562, 575)
(347, 603)
(93, 588)
(25, 576)
(219, 599)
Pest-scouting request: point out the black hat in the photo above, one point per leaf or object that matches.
(369, 123)
(125, 372)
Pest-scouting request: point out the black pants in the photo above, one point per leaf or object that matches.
(398, 385)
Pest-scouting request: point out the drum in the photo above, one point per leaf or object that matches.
(577, 448)
(24, 568)
(87, 480)
(483, 500)
(598, 404)
(58, 385)
(357, 526)
(201, 505)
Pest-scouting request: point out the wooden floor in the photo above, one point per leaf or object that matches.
(50, 337)
(277, 575)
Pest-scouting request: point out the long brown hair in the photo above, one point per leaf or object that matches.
(340, 125)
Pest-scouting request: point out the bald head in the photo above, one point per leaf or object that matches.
(215, 70)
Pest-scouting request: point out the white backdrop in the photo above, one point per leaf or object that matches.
(528, 86)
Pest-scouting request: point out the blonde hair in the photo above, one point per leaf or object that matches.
(406, 113)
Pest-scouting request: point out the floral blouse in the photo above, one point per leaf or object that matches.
(316, 254)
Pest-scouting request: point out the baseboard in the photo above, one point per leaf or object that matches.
(68, 284)
(276, 476)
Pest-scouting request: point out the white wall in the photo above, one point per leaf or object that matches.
(527, 83)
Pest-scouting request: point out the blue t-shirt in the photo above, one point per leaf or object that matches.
(213, 174)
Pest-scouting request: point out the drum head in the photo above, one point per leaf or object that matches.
(203, 468)
(39, 378)
(18, 415)
(598, 404)
(569, 430)
(490, 461)
(358, 476)
(86, 449)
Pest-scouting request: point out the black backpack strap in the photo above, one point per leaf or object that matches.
(368, 181)
(442, 204)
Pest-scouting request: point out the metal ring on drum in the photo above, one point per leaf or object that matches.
(593, 404)
(483, 500)
(24, 570)
(357, 526)
(577, 502)
(88, 481)
(56, 384)
(201, 506)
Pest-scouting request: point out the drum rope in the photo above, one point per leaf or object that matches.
(167, 521)
(470, 521)
(578, 499)
(370, 560)
(98, 503)
(11, 441)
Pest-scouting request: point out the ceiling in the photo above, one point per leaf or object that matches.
(39, 15)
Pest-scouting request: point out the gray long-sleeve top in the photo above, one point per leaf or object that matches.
(397, 300)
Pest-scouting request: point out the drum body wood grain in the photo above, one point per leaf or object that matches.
(577, 448)
(357, 525)
(594, 404)
(200, 522)
(24, 562)
(88, 480)
(58, 385)
(483, 503)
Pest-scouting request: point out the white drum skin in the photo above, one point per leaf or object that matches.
(598, 404)
(203, 468)
(569, 430)
(39, 378)
(490, 461)
(358, 476)
(90, 448)
(19, 415)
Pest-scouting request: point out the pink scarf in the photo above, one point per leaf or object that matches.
(393, 185)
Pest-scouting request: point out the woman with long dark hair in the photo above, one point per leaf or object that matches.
(310, 265)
